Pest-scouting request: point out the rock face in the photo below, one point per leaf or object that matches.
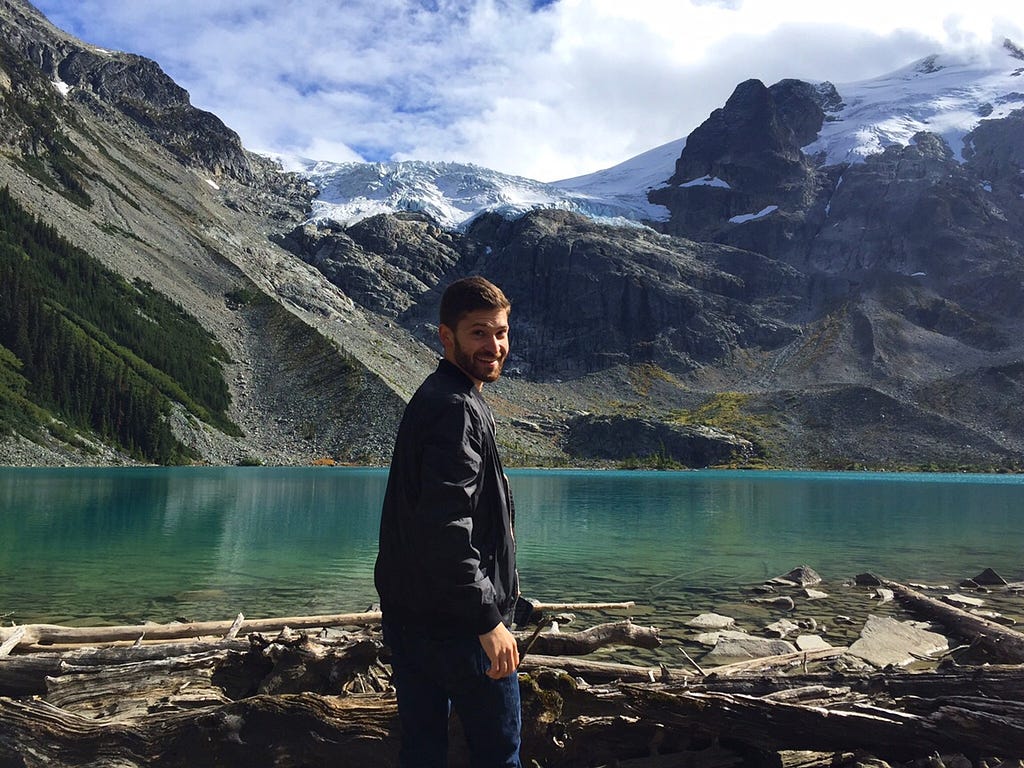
(385, 263)
(751, 149)
(617, 437)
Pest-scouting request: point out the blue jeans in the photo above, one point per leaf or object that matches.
(435, 675)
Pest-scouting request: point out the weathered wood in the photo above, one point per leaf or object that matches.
(773, 725)
(1002, 644)
(776, 664)
(53, 634)
(218, 702)
(30, 635)
(12, 641)
(603, 671)
(589, 640)
(288, 701)
(285, 731)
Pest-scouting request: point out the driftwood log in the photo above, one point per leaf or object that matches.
(38, 636)
(324, 697)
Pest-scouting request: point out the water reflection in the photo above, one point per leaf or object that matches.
(117, 545)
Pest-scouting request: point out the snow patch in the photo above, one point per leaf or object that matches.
(63, 87)
(745, 217)
(707, 181)
(213, 184)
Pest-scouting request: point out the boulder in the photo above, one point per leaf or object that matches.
(989, 578)
(811, 643)
(884, 641)
(711, 621)
(737, 645)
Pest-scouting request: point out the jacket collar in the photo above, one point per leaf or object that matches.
(447, 367)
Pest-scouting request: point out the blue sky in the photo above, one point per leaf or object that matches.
(547, 89)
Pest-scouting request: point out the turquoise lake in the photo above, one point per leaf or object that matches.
(88, 546)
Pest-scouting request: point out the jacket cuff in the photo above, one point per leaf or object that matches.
(489, 619)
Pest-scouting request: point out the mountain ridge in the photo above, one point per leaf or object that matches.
(781, 305)
(859, 119)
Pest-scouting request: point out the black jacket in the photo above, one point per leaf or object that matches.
(446, 562)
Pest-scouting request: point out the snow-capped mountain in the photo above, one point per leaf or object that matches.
(945, 94)
(454, 193)
(948, 95)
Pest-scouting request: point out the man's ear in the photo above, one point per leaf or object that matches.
(447, 336)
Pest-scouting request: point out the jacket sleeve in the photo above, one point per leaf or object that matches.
(451, 473)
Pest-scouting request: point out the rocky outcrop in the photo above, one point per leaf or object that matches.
(589, 296)
(619, 438)
(137, 87)
(385, 263)
(746, 158)
(133, 85)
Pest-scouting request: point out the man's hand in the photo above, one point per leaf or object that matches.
(501, 648)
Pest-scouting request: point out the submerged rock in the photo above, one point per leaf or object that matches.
(782, 627)
(783, 602)
(963, 601)
(989, 578)
(801, 576)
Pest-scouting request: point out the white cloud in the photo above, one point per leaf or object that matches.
(573, 87)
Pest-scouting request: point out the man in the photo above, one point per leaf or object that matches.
(445, 569)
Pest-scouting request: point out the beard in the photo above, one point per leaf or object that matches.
(479, 367)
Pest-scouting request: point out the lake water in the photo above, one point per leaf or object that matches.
(89, 546)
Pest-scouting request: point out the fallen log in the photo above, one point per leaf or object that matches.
(282, 731)
(589, 640)
(53, 634)
(29, 637)
(1001, 644)
(772, 725)
(260, 706)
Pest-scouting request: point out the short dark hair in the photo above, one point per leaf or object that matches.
(469, 295)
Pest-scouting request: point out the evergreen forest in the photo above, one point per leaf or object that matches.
(81, 345)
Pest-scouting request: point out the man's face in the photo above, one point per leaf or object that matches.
(479, 344)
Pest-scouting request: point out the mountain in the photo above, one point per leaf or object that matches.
(948, 95)
(812, 248)
(111, 175)
(756, 294)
